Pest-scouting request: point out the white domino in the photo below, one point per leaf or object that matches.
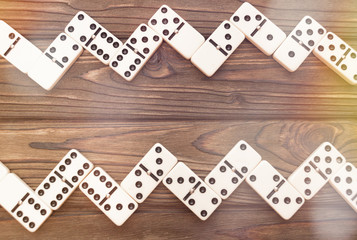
(148, 173)
(108, 196)
(136, 51)
(3, 171)
(16, 49)
(232, 170)
(217, 48)
(345, 183)
(299, 44)
(18, 199)
(192, 191)
(56, 188)
(316, 170)
(258, 29)
(55, 61)
(275, 190)
(176, 31)
(338, 56)
(93, 37)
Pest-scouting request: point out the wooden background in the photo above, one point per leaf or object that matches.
(283, 115)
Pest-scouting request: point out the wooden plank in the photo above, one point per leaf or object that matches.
(248, 86)
(32, 148)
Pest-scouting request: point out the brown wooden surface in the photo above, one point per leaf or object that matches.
(283, 115)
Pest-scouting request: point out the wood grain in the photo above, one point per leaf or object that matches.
(283, 115)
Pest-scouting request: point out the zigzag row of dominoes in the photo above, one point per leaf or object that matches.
(207, 55)
(118, 202)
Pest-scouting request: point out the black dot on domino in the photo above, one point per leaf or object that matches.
(202, 189)
(156, 38)
(137, 61)
(96, 197)
(144, 39)
(298, 200)
(82, 38)
(53, 203)
(169, 180)
(116, 44)
(108, 184)
(308, 21)
(102, 178)
(62, 168)
(298, 33)
(92, 26)
(59, 197)
(180, 180)
(159, 172)
(349, 180)
(139, 196)
(107, 207)
(84, 185)
(80, 172)
(52, 49)
(131, 206)
(275, 200)
(65, 59)
(75, 47)
(258, 17)
(337, 179)
(222, 168)
(292, 54)
(110, 40)
(307, 180)
(176, 20)
(143, 28)
(63, 37)
(309, 32)
(253, 178)
(212, 181)
(133, 41)
(158, 149)
(164, 10)
(100, 52)
(43, 212)
(93, 47)
(41, 192)
(234, 180)
(349, 192)
(146, 50)
(270, 37)
(247, 18)
(244, 169)
(25, 219)
(119, 207)
(307, 192)
(276, 178)
(204, 213)
(228, 36)
(353, 55)
(344, 67)
(165, 21)
(224, 192)
(228, 47)
(321, 48)
(166, 32)
(132, 67)
(236, 18)
(46, 186)
(31, 201)
(191, 202)
(127, 74)
(159, 161)
(80, 17)
(65, 190)
(138, 172)
(227, 26)
(19, 214)
(243, 147)
(214, 201)
(105, 56)
(153, 21)
(70, 29)
(32, 225)
(138, 184)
